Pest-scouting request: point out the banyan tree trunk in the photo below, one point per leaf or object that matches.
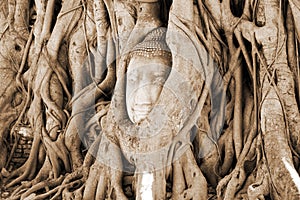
(279, 110)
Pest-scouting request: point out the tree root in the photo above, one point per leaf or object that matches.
(92, 181)
(76, 179)
(105, 178)
(42, 185)
(234, 181)
(71, 181)
(104, 182)
(77, 194)
(260, 169)
(228, 152)
(86, 95)
(191, 182)
(52, 97)
(29, 188)
(260, 188)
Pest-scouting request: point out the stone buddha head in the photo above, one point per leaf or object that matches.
(148, 69)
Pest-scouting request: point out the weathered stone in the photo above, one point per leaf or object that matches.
(17, 155)
(18, 150)
(22, 141)
(26, 151)
(19, 160)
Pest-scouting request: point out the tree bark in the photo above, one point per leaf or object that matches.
(231, 100)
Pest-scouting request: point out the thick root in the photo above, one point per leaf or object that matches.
(191, 184)
(260, 188)
(104, 182)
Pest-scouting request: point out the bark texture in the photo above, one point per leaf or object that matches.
(224, 125)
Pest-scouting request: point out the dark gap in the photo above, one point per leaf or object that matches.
(237, 7)
(17, 47)
(58, 5)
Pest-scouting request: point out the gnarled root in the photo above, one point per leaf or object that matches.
(57, 150)
(260, 188)
(74, 181)
(233, 182)
(81, 179)
(188, 180)
(104, 182)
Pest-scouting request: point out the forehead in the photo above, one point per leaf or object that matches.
(146, 62)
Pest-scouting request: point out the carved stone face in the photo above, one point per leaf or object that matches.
(144, 83)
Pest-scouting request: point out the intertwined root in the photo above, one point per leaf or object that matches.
(188, 180)
(103, 182)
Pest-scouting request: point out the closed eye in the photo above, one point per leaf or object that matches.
(161, 76)
(159, 79)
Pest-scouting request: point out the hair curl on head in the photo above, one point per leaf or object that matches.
(154, 44)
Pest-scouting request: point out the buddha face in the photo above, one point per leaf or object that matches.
(144, 83)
